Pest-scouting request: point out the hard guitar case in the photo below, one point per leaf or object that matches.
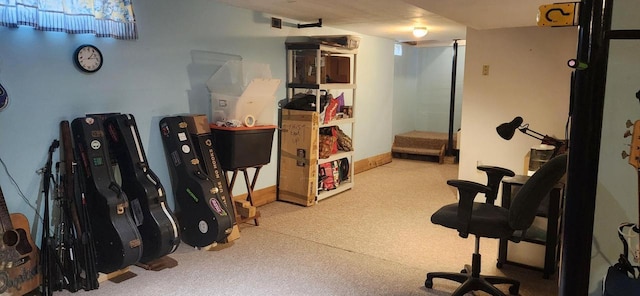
(204, 150)
(73, 193)
(203, 215)
(117, 240)
(156, 222)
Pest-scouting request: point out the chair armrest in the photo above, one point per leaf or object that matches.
(494, 176)
(467, 190)
(470, 187)
(496, 170)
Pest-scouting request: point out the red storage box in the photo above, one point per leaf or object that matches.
(242, 147)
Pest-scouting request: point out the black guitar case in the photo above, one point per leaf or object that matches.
(147, 199)
(204, 149)
(116, 237)
(203, 216)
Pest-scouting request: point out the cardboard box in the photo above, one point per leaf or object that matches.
(298, 157)
(338, 69)
(197, 124)
(333, 69)
(305, 68)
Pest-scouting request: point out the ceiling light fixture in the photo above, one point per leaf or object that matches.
(419, 31)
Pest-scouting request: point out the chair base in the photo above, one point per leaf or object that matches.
(471, 282)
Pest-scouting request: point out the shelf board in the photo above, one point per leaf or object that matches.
(341, 188)
(338, 122)
(339, 155)
(320, 46)
(324, 86)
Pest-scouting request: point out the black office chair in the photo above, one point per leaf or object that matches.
(491, 221)
(494, 176)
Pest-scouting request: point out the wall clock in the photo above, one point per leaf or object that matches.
(88, 58)
(4, 98)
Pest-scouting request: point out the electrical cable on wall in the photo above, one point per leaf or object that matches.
(20, 193)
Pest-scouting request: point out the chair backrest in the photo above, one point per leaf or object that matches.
(525, 204)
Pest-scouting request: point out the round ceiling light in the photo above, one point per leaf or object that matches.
(419, 31)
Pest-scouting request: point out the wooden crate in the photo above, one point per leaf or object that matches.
(298, 157)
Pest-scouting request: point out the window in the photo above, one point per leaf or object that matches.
(104, 18)
(397, 49)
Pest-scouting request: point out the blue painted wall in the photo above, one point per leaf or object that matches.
(159, 74)
(423, 89)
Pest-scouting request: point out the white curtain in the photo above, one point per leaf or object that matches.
(104, 18)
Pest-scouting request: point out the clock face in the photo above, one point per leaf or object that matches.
(88, 58)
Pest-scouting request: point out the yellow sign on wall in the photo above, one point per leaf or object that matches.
(558, 15)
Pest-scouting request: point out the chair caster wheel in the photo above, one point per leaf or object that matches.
(499, 265)
(463, 271)
(513, 290)
(428, 284)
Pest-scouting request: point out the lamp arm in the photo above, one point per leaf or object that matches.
(525, 130)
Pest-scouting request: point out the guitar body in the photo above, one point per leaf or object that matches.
(117, 240)
(203, 216)
(147, 200)
(19, 276)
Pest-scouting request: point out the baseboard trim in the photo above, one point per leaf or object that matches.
(260, 196)
(372, 162)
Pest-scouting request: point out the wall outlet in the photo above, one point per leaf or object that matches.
(485, 70)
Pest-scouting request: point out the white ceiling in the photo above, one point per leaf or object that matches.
(394, 19)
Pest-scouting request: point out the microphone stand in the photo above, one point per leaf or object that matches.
(46, 243)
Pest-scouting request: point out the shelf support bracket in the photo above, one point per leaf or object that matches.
(318, 24)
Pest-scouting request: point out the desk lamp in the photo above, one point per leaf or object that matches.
(507, 129)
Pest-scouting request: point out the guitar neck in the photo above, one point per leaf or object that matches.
(5, 218)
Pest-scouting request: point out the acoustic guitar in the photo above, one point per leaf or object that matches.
(18, 254)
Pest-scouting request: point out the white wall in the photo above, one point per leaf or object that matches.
(153, 77)
(528, 77)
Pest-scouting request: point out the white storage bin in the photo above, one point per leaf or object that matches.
(240, 91)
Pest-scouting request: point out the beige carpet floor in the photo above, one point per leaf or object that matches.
(376, 239)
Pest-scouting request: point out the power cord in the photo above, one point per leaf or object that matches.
(15, 184)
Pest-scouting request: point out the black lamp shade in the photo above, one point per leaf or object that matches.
(507, 129)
